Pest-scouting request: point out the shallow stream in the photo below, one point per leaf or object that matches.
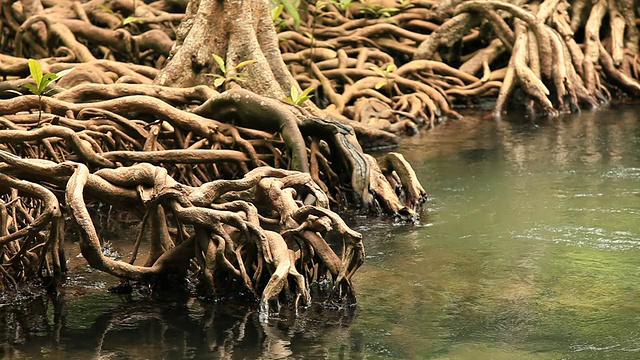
(529, 249)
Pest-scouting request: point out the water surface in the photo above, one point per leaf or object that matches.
(530, 249)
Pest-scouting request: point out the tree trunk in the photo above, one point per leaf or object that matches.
(236, 30)
(242, 30)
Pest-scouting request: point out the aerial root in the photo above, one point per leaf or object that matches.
(228, 240)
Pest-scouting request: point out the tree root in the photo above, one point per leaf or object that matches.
(547, 64)
(228, 239)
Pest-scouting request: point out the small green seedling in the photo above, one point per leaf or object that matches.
(299, 98)
(290, 7)
(278, 22)
(384, 73)
(125, 21)
(378, 12)
(41, 82)
(238, 76)
(342, 5)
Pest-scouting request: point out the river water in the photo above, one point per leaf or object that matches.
(529, 249)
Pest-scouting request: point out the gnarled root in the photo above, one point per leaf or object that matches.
(552, 70)
(228, 240)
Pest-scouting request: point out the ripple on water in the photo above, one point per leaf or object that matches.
(584, 236)
(622, 173)
(626, 211)
(605, 348)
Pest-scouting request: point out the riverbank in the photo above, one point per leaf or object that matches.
(528, 249)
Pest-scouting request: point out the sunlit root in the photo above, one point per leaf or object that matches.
(228, 239)
(395, 165)
(284, 264)
(554, 72)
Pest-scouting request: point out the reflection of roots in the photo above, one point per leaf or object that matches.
(199, 329)
(228, 217)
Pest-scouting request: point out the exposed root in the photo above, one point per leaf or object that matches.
(228, 240)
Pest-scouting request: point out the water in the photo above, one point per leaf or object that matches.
(530, 249)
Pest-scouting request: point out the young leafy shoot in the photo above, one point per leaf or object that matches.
(299, 98)
(378, 12)
(245, 63)
(276, 12)
(238, 76)
(220, 62)
(342, 5)
(36, 73)
(293, 11)
(384, 73)
(42, 81)
(278, 21)
(219, 79)
(290, 7)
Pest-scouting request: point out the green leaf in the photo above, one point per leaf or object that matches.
(46, 80)
(391, 67)
(49, 77)
(132, 19)
(302, 99)
(276, 12)
(241, 76)
(218, 81)
(36, 71)
(293, 11)
(345, 4)
(245, 63)
(31, 87)
(378, 71)
(306, 92)
(288, 99)
(368, 10)
(220, 62)
(380, 84)
(320, 5)
(294, 93)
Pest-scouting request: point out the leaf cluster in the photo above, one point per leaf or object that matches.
(342, 5)
(288, 6)
(378, 12)
(299, 98)
(125, 21)
(41, 80)
(384, 73)
(225, 77)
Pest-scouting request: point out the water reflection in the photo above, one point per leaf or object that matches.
(533, 248)
(107, 326)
